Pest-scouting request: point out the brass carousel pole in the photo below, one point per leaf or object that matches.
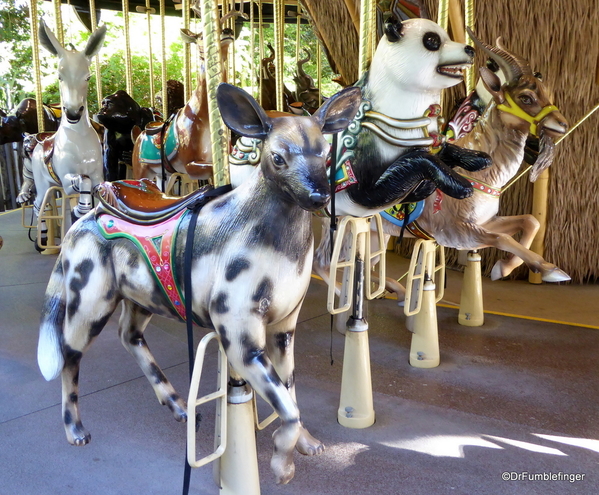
(35, 47)
(149, 12)
(252, 45)
(470, 78)
(279, 30)
(186, 51)
(212, 57)
(163, 52)
(128, 71)
(58, 21)
(261, 48)
(94, 25)
(443, 21)
(365, 53)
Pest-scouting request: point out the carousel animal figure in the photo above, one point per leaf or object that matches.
(384, 157)
(181, 144)
(514, 110)
(268, 84)
(71, 157)
(119, 114)
(306, 91)
(175, 98)
(24, 121)
(251, 257)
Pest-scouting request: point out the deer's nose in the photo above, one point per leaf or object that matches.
(469, 51)
(320, 198)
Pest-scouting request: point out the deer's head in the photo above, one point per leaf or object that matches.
(73, 69)
(294, 152)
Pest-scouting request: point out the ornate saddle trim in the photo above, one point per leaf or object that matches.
(156, 243)
(142, 202)
(46, 140)
(418, 232)
(465, 117)
(152, 142)
(396, 214)
(483, 187)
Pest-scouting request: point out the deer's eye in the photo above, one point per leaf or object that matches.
(526, 99)
(278, 160)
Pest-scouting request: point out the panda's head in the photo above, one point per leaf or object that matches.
(419, 56)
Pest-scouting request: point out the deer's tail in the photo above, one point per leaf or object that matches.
(50, 357)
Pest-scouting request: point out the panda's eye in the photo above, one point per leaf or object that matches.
(431, 41)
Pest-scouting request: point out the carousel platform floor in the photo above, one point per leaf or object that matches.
(517, 395)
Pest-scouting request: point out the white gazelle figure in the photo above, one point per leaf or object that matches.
(72, 157)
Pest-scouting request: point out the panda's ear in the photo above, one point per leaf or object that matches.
(393, 29)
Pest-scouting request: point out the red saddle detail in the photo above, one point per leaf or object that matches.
(156, 243)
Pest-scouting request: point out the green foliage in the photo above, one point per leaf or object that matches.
(17, 76)
(15, 52)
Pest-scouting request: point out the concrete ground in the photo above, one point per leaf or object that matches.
(517, 396)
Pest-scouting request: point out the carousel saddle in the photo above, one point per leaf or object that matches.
(142, 202)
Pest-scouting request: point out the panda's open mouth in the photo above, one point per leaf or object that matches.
(456, 70)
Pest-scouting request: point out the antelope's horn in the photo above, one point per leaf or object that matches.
(233, 13)
(508, 63)
(523, 64)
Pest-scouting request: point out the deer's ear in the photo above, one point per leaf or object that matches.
(241, 113)
(48, 40)
(492, 84)
(95, 42)
(339, 110)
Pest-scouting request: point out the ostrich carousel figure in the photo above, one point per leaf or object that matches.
(72, 157)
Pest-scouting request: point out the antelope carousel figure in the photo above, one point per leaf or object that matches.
(181, 144)
(514, 110)
(71, 157)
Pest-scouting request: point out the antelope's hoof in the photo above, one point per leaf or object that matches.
(308, 445)
(178, 408)
(555, 275)
(77, 435)
(497, 271)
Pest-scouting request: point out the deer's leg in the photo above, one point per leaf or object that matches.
(132, 324)
(246, 350)
(505, 242)
(87, 312)
(280, 346)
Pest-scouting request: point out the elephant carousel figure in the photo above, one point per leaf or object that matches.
(71, 158)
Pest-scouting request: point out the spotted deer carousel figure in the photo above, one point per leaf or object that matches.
(251, 256)
(384, 157)
(513, 110)
(71, 157)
